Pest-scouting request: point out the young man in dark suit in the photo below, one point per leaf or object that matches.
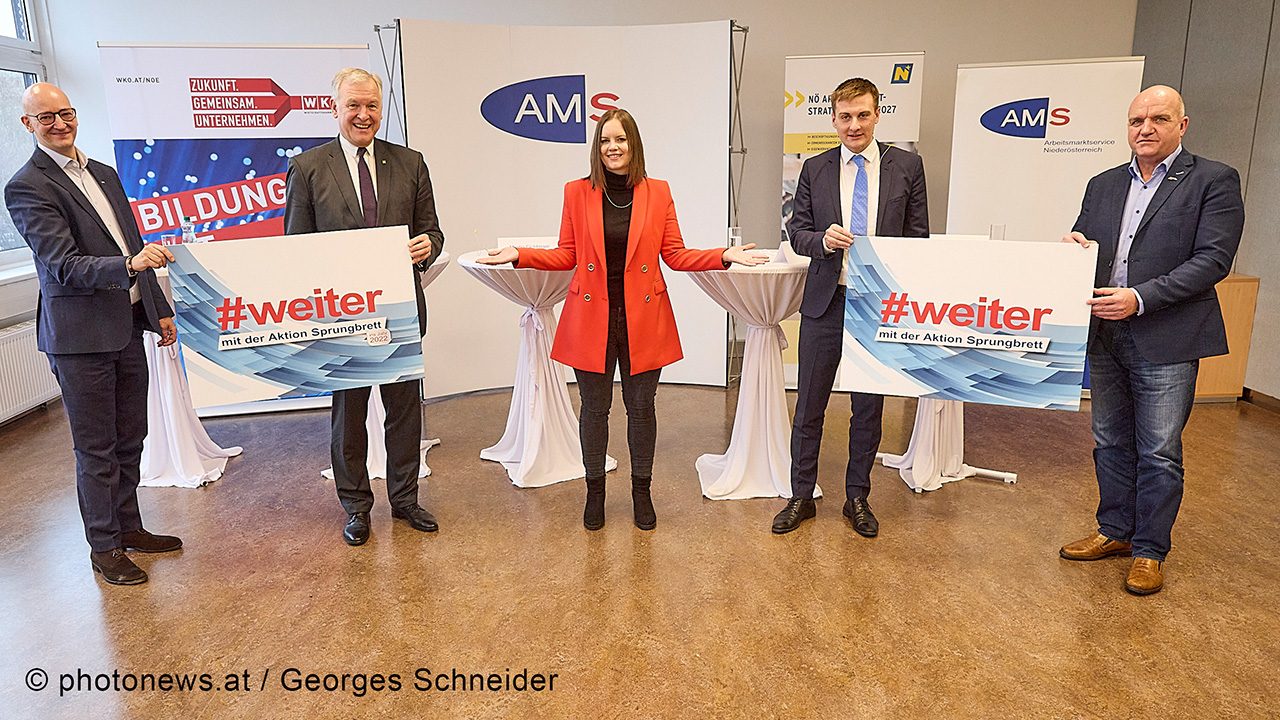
(359, 181)
(97, 295)
(843, 193)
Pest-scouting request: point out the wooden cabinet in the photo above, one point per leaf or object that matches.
(1222, 378)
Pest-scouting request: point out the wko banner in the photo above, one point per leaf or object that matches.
(977, 320)
(343, 315)
(207, 131)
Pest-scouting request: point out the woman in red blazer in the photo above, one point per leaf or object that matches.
(616, 224)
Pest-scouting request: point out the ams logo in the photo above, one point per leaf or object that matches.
(550, 109)
(1028, 118)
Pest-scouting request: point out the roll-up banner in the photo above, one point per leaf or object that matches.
(1028, 137)
(206, 131)
(505, 116)
(807, 128)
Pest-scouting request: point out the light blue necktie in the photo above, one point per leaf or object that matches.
(858, 215)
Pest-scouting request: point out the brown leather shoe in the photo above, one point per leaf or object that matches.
(1095, 547)
(116, 568)
(1145, 576)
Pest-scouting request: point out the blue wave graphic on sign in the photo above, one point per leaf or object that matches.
(548, 109)
(1001, 377)
(1021, 118)
(318, 366)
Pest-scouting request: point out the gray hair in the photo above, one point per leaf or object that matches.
(354, 74)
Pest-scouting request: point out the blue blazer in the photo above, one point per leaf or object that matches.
(84, 287)
(902, 210)
(1184, 246)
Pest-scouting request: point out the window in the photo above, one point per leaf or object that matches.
(21, 65)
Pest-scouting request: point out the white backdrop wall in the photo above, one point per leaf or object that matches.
(950, 34)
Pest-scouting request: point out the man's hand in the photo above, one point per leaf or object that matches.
(1076, 237)
(837, 238)
(168, 332)
(153, 255)
(1114, 303)
(420, 248)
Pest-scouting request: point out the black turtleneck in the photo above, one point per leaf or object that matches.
(617, 225)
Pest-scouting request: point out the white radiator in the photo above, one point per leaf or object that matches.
(25, 378)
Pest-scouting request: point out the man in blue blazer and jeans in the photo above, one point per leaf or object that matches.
(861, 187)
(97, 295)
(1168, 224)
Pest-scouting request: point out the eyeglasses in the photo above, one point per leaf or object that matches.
(47, 118)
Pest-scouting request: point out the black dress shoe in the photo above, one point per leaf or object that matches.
(858, 510)
(116, 568)
(357, 530)
(418, 518)
(143, 541)
(797, 511)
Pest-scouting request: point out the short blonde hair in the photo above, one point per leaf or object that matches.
(354, 74)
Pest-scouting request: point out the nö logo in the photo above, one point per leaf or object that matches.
(1028, 118)
(550, 109)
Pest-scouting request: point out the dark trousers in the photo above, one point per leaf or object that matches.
(349, 445)
(1139, 409)
(821, 342)
(105, 396)
(639, 393)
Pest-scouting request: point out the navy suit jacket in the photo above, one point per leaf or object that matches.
(84, 286)
(902, 210)
(320, 197)
(1184, 245)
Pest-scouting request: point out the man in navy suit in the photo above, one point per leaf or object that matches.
(842, 193)
(353, 182)
(97, 295)
(1168, 224)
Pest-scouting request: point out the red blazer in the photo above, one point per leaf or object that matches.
(651, 324)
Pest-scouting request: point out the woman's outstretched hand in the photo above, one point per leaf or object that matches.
(499, 256)
(740, 256)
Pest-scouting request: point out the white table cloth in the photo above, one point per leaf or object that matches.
(758, 460)
(935, 455)
(376, 455)
(540, 445)
(177, 451)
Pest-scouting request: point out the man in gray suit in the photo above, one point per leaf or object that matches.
(97, 295)
(842, 193)
(359, 181)
(1167, 224)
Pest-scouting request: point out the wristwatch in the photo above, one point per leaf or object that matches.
(128, 266)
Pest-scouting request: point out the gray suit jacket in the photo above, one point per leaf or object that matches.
(320, 197)
(1184, 245)
(84, 287)
(902, 210)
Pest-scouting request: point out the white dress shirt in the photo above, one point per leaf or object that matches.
(353, 165)
(848, 176)
(77, 169)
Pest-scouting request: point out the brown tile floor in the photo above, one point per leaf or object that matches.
(960, 609)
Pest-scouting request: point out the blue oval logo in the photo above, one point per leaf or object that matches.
(548, 109)
(1021, 118)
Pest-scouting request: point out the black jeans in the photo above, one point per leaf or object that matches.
(638, 395)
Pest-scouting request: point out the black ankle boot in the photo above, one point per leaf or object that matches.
(593, 513)
(646, 519)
